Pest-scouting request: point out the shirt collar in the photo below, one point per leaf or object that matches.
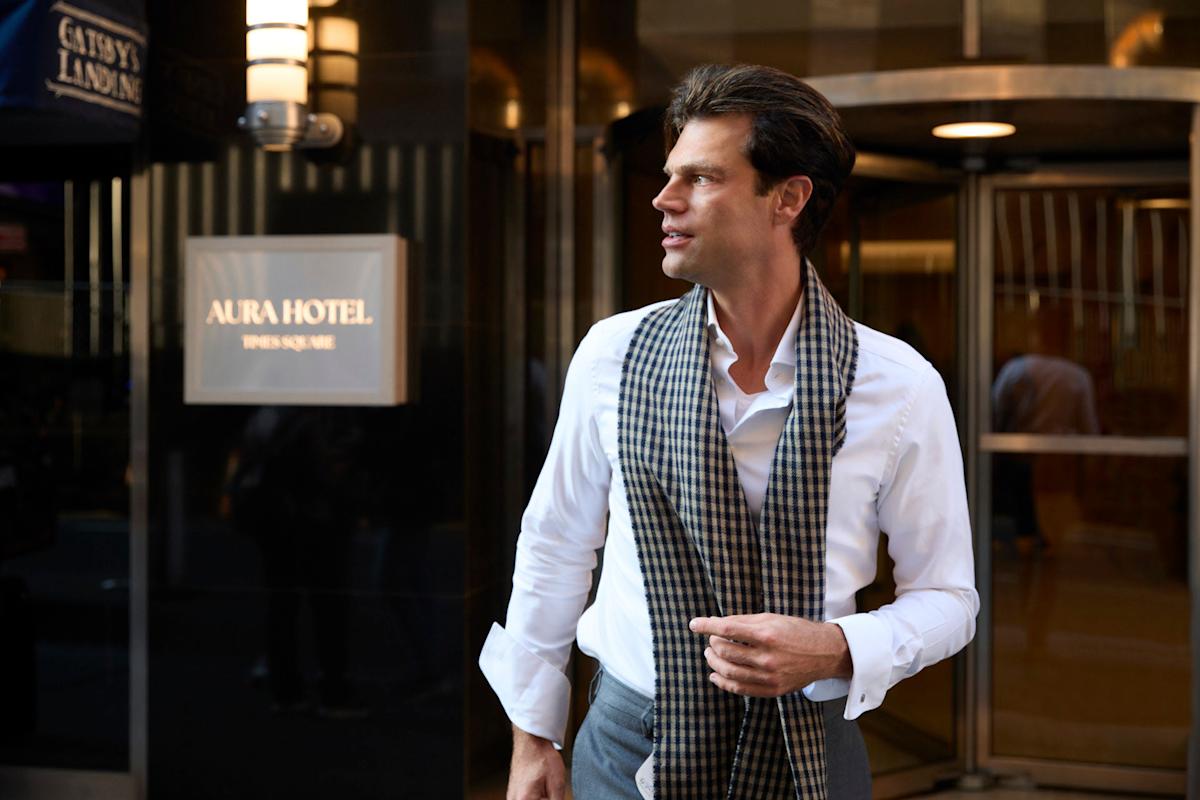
(785, 350)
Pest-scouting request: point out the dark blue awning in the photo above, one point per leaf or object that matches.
(77, 62)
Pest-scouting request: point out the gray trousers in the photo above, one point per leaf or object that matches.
(617, 735)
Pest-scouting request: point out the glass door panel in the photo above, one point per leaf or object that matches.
(890, 257)
(1090, 319)
(1084, 279)
(1090, 599)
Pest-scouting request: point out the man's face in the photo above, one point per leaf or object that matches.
(715, 225)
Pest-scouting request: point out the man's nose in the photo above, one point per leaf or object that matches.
(669, 199)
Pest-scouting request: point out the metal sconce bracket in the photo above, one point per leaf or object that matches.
(284, 125)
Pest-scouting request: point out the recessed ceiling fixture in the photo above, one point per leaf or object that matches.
(974, 130)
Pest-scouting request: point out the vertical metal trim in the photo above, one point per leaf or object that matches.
(157, 214)
(1193, 343)
(233, 190)
(420, 171)
(604, 240)
(1128, 254)
(366, 167)
(969, 216)
(208, 201)
(971, 29)
(1032, 300)
(260, 192)
(560, 190)
(118, 262)
(139, 459)
(515, 344)
(1051, 243)
(393, 188)
(287, 163)
(983, 471)
(94, 271)
(446, 237)
(183, 227)
(1076, 262)
(1156, 242)
(1006, 250)
(68, 267)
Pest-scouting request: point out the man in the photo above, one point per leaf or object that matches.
(748, 442)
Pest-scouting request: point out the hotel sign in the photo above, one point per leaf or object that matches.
(296, 320)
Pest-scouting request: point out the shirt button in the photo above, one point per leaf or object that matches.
(862, 698)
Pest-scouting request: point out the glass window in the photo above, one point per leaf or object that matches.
(1089, 305)
(1091, 605)
(64, 496)
(1119, 33)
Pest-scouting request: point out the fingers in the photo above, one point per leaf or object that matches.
(736, 652)
(742, 689)
(726, 627)
(734, 672)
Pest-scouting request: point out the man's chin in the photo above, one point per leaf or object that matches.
(675, 268)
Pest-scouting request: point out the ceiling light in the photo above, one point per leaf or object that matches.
(974, 130)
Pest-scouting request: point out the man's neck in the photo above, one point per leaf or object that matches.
(754, 316)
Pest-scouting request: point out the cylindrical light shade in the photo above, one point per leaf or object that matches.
(276, 43)
(336, 69)
(337, 33)
(276, 82)
(260, 12)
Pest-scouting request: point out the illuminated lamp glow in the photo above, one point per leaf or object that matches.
(974, 130)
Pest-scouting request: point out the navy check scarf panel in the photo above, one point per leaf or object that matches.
(702, 554)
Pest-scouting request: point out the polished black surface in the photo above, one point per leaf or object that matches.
(309, 565)
(64, 502)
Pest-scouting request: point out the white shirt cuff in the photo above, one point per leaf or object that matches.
(535, 695)
(870, 641)
(828, 689)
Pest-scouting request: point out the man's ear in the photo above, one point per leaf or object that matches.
(792, 196)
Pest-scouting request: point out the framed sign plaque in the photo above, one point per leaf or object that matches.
(296, 320)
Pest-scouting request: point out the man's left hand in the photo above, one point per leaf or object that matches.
(769, 655)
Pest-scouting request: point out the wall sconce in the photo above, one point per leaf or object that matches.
(333, 59)
(277, 113)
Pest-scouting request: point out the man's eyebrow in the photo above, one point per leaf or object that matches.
(695, 168)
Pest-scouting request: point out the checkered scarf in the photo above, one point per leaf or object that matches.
(702, 554)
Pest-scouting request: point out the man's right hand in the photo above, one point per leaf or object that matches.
(537, 770)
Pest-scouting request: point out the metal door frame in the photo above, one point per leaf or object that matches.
(983, 443)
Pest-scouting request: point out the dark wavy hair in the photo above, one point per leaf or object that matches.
(794, 131)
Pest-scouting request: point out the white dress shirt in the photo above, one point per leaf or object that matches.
(900, 471)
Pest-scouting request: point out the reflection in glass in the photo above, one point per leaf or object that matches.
(1089, 305)
(289, 491)
(1134, 33)
(1044, 394)
(1090, 633)
(64, 454)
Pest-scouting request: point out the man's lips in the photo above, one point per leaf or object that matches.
(675, 239)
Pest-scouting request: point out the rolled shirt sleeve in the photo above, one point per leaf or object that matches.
(561, 529)
(922, 506)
